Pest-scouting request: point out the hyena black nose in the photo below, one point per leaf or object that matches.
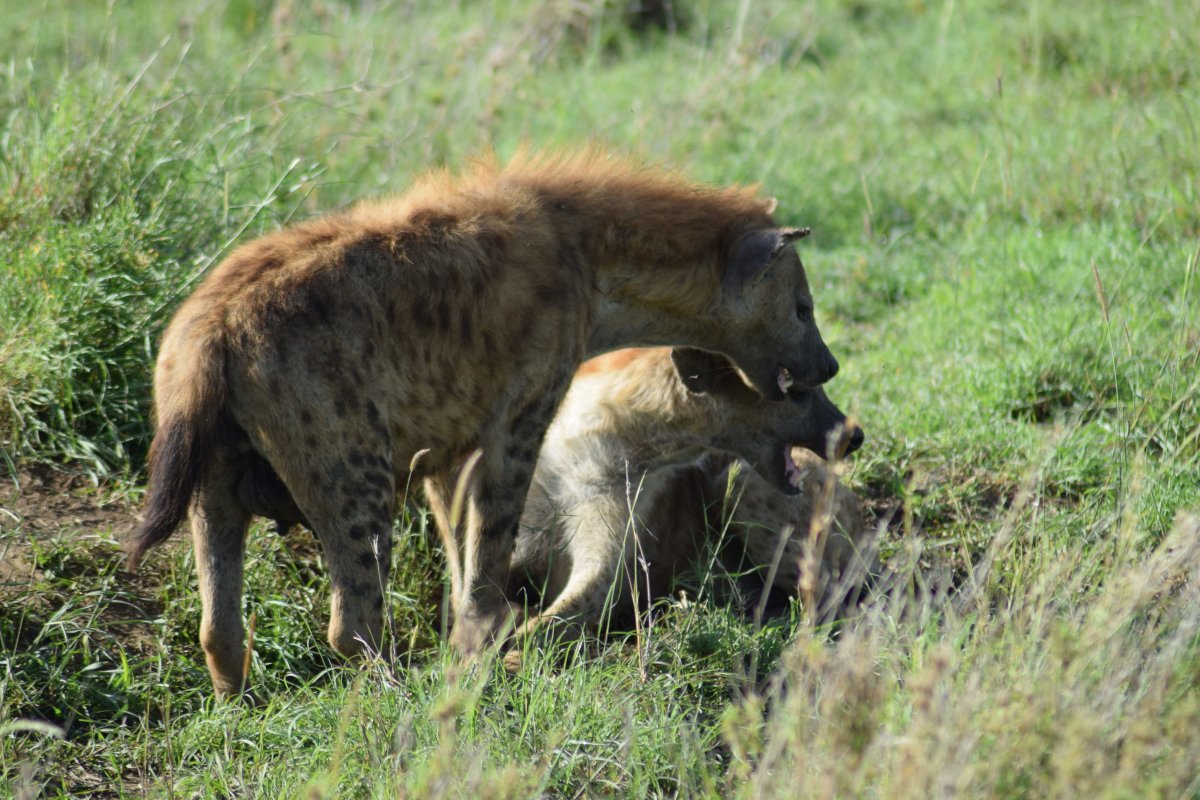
(831, 367)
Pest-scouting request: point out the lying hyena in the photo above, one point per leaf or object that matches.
(448, 320)
(656, 433)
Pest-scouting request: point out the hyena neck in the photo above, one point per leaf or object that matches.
(654, 243)
(657, 414)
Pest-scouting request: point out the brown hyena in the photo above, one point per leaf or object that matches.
(634, 471)
(449, 320)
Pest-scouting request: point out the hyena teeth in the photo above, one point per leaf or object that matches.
(785, 379)
(795, 473)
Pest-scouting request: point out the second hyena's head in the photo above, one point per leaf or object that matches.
(766, 315)
(731, 416)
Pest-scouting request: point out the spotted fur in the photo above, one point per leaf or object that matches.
(448, 320)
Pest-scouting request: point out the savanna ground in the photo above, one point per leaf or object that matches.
(1006, 205)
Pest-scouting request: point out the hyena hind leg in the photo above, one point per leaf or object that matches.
(219, 522)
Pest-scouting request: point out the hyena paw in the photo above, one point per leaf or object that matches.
(477, 628)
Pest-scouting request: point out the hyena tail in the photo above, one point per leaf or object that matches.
(191, 419)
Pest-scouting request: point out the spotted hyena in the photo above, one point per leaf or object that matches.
(634, 471)
(447, 321)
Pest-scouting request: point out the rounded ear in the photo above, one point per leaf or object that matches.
(701, 370)
(755, 252)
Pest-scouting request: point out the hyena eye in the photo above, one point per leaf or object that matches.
(804, 310)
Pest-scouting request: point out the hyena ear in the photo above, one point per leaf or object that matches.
(700, 370)
(755, 252)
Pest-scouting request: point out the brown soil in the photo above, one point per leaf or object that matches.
(60, 533)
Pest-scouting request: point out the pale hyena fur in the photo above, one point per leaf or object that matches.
(635, 469)
(450, 319)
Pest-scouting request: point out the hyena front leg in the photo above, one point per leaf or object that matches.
(219, 523)
(495, 501)
(599, 546)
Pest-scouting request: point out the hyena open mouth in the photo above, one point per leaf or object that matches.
(843, 440)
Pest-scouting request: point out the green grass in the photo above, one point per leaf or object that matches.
(1005, 200)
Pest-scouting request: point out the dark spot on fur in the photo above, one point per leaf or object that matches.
(422, 319)
(525, 328)
(570, 258)
(494, 245)
(369, 350)
(484, 494)
(532, 422)
(442, 319)
(358, 532)
(376, 480)
(313, 308)
(552, 294)
(368, 560)
(333, 366)
(375, 418)
(306, 416)
(358, 458)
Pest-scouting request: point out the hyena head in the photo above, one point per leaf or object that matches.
(766, 312)
(737, 419)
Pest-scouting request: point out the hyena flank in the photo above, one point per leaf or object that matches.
(634, 471)
(448, 320)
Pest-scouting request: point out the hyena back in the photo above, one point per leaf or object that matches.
(447, 320)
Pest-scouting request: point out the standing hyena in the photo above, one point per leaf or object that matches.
(642, 445)
(449, 319)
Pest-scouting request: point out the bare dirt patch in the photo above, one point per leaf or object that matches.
(43, 509)
(60, 540)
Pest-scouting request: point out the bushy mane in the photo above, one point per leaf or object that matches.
(658, 235)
